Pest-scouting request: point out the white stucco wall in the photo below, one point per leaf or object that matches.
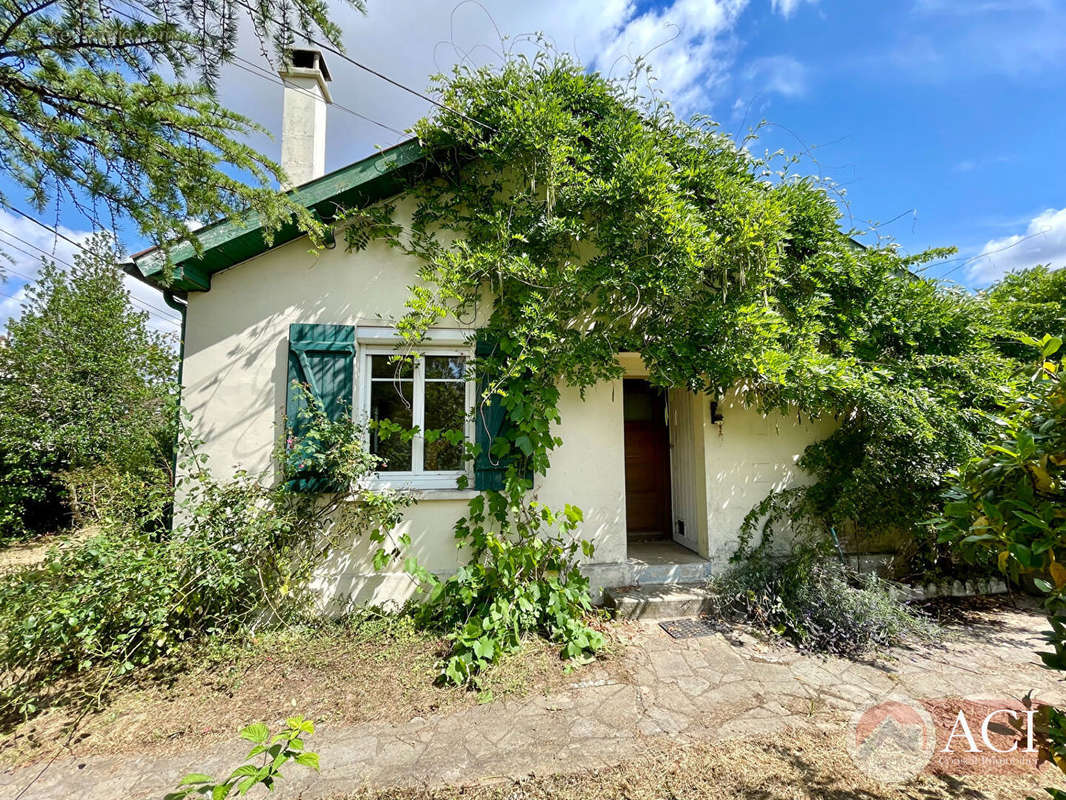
(234, 388)
(748, 455)
(589, 469)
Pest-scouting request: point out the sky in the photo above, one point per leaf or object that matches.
(941, 121)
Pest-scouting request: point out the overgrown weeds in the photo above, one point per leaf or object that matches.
(370, 666)
(239, 557)
(817, 604)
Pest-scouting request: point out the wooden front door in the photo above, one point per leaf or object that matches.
(647, 454)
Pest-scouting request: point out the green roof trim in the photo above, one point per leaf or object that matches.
(237, 238)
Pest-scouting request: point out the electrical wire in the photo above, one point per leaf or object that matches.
(970, 259)
(144, 305)
(255, 69)
(376, 73)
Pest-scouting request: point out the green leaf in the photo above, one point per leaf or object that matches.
(257, 733)
(308, 760)
(195, 777)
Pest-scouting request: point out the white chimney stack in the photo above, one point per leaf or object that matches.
(303, 119)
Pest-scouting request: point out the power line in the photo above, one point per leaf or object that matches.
(259, 72)
(25, 253)
(35, 221)
(256, 71)
(12, 296)
(967, 260)
(331, 49)
(47, 254)
(167, 316)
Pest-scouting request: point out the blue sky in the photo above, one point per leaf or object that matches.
(943, 120)
(949, 113)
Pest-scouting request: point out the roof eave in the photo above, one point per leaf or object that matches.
(237, 238)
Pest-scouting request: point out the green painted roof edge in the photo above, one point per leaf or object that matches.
(239, 237)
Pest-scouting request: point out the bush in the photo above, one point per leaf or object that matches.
(817, 604)
(525, 581)
(103, 494)
(1009, 504)
(106, 601)
(272, 753)
(240, 554)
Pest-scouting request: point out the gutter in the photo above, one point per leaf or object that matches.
(182, 307)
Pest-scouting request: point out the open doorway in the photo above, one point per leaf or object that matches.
(647, 457)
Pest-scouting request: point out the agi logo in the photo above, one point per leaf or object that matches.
(896, 739)
(892, 741)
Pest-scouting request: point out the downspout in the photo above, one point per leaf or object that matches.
(182, 308)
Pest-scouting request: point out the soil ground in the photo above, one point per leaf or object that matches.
(369, 669)
(792, 764)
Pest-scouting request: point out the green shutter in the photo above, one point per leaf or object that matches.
(322, 360)
(491, 420)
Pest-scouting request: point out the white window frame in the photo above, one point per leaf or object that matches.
(417, 477)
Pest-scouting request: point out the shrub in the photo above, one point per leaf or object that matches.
(1009, 503)
(104, 494)
(273, 754)
(816, 604)
(240, 554)
(106, 601)
(522, 579)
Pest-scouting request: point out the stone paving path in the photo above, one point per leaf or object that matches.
(714, 686)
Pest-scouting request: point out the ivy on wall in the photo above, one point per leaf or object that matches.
(599, 222)
(595, 221)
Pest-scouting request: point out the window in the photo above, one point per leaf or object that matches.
(429, 393)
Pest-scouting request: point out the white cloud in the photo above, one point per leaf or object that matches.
(10, 303)
(786, 8)
(782, 75)
(689, 43)
(23, 245)
(1043, 242)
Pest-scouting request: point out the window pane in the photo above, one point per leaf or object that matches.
(450, 367)
(389, 367)
(445, 411)
(387, 402)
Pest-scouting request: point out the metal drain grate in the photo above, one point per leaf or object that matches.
(689, 628)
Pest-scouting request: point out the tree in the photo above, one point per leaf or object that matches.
(83, 382)
(87, 118)
(1029, 302)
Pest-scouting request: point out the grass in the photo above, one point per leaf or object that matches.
(369, 667)
(792, 764)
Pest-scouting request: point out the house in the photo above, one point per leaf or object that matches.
(664, 478)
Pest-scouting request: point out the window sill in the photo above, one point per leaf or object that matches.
(423, 495)
(444, 494)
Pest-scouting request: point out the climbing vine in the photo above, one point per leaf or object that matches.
(576, 219)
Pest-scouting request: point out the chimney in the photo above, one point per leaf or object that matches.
(303, 119)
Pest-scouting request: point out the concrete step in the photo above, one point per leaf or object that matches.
(658, 601)
(643, 573)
